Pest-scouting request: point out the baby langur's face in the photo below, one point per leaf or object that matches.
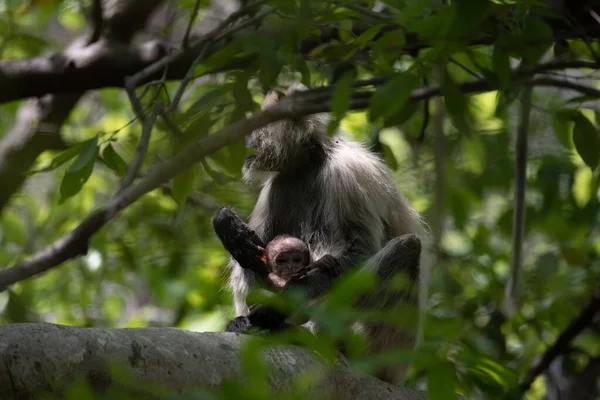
(285, 255)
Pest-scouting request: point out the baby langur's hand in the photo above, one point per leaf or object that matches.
(328, 264)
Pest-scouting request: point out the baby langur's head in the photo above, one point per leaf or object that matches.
(285, 255)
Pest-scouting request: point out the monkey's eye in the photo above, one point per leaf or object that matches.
(297, 259)
(281, 260)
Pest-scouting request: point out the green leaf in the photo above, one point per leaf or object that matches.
(243, 98)
(395, 39)
(345, 30)
(441, 381)
(217, 176)
(506, 98)
(587, 141)
(340, 100)
(270, 68)
(237, 157)
(114, 160)
(88, 153)
(392, 96)
(349, 287)
(199, 127)
(302, 67)
(473, 11)
(367, 36)
(80, 171)
(30, 44)
(220, 58)
(183, 184)
(402, 115)
(206, 101)
(339, 52)
(455, 102)
(563, 126)
(389, 157)
(536, 31)
(61, 158)
(270, 63)
(12, 228)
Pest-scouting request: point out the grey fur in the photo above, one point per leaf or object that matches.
(340, 199)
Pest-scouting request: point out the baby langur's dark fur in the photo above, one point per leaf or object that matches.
(339, 199)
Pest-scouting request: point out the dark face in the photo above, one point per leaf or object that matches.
(280, 145)
(287, 263)
(273, 145)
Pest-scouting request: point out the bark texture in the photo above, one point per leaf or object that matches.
(44, 357)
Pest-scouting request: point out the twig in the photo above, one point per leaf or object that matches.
(186, 79)
(135, 101)
(297, 105)
(371, 15)
(425, 123)
(196, 199)
(464, 67)
(578, 325)
(170, 124)
(75, 243)
(198, 45)
(186, 37)
(511, 296)
(140, 151)
(565, 84)
(439, 168)
(206, 44)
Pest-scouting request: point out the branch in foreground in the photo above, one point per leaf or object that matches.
(44, 356)
(78, 73)
(297, 105)
(38, 123)
(561, 345)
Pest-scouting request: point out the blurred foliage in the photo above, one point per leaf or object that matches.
(159, 263)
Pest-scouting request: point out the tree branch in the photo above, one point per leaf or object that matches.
(140, 151)
(561, 345)
(186, 36)
(38, 76)
(297, 105)
(157, 359)
(38, 123)
(513, 292)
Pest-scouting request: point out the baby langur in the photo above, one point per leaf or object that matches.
(286, 256)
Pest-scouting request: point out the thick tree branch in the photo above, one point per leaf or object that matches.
(45, 357)
(106, 64)
(297, 105)
(39, 122)
(78, 72)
